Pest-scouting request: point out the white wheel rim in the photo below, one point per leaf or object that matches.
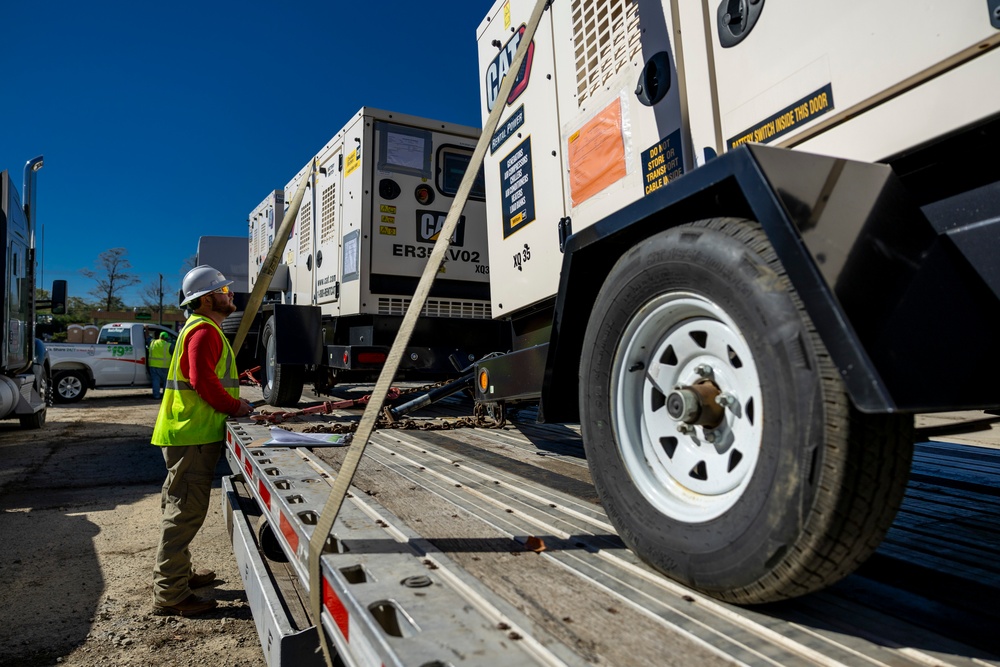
(680, 473)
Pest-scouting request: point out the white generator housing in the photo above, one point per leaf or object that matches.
(377, 194)
(584, 133)
(263, 223)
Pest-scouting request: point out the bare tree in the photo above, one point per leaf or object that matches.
(112, 276)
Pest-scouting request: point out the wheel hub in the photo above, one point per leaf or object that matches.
(696, 404)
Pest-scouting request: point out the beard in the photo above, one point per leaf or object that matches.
(225, 308)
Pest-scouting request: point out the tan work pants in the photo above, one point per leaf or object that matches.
(184, 505)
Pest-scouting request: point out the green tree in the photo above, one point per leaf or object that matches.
(112, 275)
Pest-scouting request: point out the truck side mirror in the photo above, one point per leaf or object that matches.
(58, 297)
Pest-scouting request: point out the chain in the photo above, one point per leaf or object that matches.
(484, 415)
(479, 421)
(425, 388)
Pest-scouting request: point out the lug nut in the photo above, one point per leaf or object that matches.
(684, 429)
(725, 400)
(703, 370)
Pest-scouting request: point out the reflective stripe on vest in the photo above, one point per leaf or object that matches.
(159, 354)
(185, 418)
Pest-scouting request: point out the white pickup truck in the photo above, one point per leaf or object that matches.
(116, 360)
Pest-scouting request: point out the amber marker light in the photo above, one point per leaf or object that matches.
(484, 380)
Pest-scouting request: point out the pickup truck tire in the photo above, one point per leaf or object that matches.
(70, 386)
(281, 384)
(793, 488)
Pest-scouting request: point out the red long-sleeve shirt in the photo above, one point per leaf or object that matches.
(198, 360)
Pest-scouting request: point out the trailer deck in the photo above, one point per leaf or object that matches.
(507, 521)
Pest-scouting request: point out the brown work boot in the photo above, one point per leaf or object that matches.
(192, 605)
(201, 578)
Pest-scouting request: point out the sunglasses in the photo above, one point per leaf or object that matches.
(222, 290)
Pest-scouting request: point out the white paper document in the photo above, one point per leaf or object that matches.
(280, 436)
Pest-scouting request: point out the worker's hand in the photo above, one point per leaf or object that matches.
(245, 408)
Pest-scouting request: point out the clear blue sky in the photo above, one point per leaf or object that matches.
(163, 122)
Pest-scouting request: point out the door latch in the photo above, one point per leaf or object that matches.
(736, 18)
(565, 229)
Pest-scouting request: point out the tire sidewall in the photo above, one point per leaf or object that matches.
(734, 549)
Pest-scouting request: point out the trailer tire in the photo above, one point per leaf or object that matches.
(70, 386)
(281, 384)
(794, 488)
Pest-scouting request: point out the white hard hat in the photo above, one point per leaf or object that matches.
(201, 280)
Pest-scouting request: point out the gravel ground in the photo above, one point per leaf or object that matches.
(79, 513)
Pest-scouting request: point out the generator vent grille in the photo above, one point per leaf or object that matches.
(304, 225)
(468, 310)
(254, 238)
(328, 229)
(261, 228)
(605, 40)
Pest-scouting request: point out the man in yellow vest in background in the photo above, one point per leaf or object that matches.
(202, 391)
(159, 361)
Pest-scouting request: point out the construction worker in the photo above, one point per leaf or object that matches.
(158, 360)
(202, 391)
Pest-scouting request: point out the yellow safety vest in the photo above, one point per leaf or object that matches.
(159, 354)
(185, 418)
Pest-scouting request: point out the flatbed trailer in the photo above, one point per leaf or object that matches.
(474, 546)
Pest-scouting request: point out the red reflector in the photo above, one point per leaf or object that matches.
(347, 359)
(286, 529)
(371, 357)
(335, 608)
(265, 495)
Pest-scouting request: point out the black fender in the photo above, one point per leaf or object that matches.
(297, 333)
(910, 320)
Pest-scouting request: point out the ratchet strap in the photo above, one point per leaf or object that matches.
(345, 476)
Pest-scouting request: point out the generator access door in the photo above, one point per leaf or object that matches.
(789, 69)
(417, 172)
(522, 167)
(329, 188)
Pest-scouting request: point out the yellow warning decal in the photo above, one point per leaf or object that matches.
(386, 208)
(788, 119)
(352, 162)
(386, 231)
(388, 219)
